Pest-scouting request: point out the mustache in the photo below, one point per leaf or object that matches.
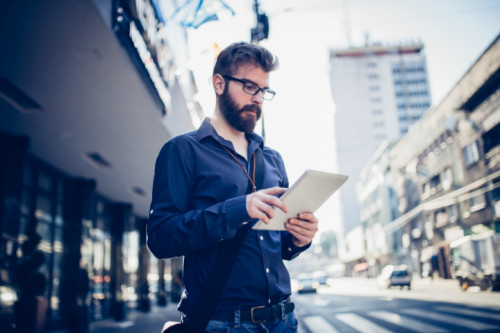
(251, 107)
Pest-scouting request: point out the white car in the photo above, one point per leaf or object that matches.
(394, 276)
(307, 284)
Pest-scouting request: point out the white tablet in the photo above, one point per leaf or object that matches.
(307, 194)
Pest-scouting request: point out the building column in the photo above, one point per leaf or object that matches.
(13, 151)
(144, 303)
(162, 292)
(119, 215)
(77, 194)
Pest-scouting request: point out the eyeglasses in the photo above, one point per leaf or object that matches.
(253, 88)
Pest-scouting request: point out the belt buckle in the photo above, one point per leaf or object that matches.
(251, 314)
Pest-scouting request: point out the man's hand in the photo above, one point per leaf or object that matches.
(260, 204)
(303, 228)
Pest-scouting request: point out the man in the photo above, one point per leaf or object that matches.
(200, 198)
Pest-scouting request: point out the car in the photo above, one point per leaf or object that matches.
(307, 284)
(394, 275)
(321, 277)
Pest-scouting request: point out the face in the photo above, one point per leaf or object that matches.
(241, 110)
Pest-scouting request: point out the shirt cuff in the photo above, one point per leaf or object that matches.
(236, 212)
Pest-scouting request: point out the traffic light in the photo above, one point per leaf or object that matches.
(261, 31)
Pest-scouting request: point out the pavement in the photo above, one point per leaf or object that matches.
(137, 321)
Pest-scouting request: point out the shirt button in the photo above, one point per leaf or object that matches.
(269, 301)
(261, 238)
(245, 223)
(151, 211)
(267, 270)
(289, 249)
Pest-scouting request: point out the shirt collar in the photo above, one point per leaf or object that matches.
(207, 130)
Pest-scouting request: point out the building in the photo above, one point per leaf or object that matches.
(446, 171)
(379, 92)
(89, 92)
(378, 206)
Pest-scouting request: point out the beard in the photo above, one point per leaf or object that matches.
(234, 114)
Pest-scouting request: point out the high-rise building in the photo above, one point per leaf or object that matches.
(379, 91)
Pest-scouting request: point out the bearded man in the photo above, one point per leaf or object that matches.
(205, 191)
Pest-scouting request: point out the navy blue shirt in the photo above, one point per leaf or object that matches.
(199, 199)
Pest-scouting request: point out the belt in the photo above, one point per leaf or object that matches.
(257, 314)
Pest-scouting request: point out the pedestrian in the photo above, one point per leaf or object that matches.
(206, 194)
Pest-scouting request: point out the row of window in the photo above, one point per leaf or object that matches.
(400, 93)
(410, 81)
(404, 106)
(412, 69)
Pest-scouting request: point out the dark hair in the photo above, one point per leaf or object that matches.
(242, 53)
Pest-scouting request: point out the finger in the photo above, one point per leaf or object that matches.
(303, 240)
(276, 202)
(308, 217)
(274, 190)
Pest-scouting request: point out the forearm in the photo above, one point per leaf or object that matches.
(172, 233)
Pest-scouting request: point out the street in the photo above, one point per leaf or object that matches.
(357, 305)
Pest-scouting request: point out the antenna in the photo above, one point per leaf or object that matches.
(347, 22)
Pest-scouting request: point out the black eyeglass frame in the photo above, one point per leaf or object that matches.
(245, 82)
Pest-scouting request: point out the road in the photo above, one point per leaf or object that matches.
(357, 305)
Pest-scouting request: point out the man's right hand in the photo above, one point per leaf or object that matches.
(260, 204)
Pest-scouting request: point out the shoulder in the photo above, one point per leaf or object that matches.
(272, 154)
(180, 142)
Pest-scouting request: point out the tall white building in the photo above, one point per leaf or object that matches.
(379, 92)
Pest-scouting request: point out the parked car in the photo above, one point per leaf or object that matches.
(394, 276)
(307, 284)
(321, 277)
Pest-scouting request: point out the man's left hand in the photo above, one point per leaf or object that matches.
(303, 228)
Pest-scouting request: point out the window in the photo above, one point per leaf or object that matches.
(447, 179)
(491, 138)
(471, 154)
(477, 203)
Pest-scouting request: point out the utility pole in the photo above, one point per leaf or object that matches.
(258, 33)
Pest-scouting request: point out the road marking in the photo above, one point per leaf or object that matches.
(472, 324)
(469, 312)
(406, 322)
(316, 324)
(361, 324)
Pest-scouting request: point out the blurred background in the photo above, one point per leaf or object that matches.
(402, 96)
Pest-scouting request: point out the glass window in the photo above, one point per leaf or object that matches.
(471, 154)
(44, 181)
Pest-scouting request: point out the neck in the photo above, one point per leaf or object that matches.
(225, 130)
(228, 132)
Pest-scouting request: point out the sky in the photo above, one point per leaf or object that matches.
(299, 121)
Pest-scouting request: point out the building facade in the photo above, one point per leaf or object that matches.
(445, 171)
(89, 92)
(378, 92)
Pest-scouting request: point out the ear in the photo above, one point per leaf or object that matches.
(219, 84)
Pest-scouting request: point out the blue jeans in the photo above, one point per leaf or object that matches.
(286, 325)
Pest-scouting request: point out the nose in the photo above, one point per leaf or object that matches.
(258, 97)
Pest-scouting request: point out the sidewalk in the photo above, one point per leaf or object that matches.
(136, 321)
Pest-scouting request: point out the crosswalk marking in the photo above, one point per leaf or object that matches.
(468, 312)
(360, 323)
(406, 322)
(316, 324)
(472, 324)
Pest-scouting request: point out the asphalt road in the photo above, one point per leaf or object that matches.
(358, 305)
